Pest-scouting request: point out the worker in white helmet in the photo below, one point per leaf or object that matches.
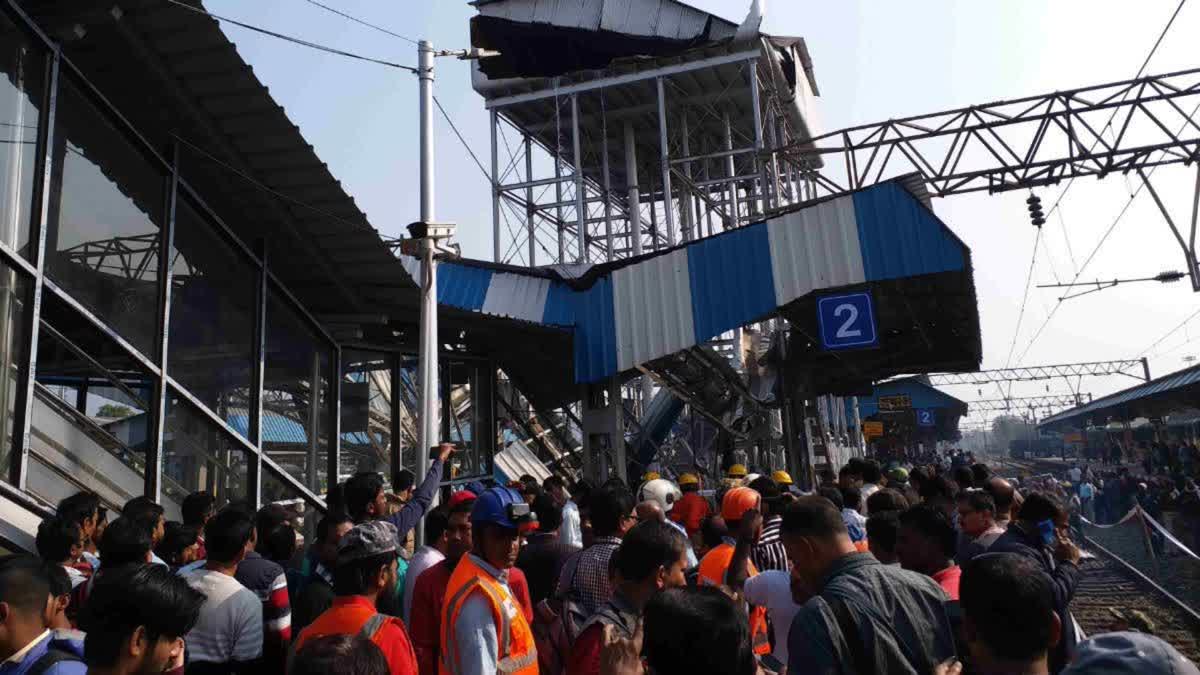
(656, 498)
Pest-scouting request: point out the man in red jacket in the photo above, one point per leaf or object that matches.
(430, 589)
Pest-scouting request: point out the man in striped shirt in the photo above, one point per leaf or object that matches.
(768, 553)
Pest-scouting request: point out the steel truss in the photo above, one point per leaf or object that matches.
(1128, 367)
(1020, 143)
(633, 163)
(1005, 405)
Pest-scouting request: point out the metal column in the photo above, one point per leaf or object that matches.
(529, 212)
(664, 140)
(685, 198)
(608, 234)
(633, 196)
(495, 189)
(558, 196)
(580, 209)
(731, 197)
(759, 169)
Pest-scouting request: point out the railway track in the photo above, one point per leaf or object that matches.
(1108, 581)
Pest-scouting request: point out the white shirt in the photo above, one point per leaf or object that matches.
(19, 656)
(1075, 473)
(773, 589)
(423, 559)
(75, 576)
(571, 532)
(868, 489)
(230, 627)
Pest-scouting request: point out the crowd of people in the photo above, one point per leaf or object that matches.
(941, 568)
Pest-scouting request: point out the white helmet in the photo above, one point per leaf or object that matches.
(660, 490)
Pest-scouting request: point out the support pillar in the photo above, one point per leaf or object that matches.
(633, 199)
(731, 196)
(529, 211)
(580, 209)
(664, 142)
(495, 123)
(686, 205)
(603, 431)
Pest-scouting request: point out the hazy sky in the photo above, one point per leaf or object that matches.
(874, 59)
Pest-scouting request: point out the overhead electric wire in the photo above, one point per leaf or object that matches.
(1145, 62)
(295, 40)
(1025, 300)
(360, 21)
(462, 140)
(1170, 332)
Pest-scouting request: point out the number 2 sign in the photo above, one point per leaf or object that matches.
(847, 321)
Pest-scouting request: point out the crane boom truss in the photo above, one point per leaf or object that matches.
(1018, 143)
(1130, 367)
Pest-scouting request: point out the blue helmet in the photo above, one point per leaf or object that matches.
(504, 507)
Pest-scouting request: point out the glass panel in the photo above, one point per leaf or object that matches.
(199, 455)
(304, 515)
(212, 318)
(21, 91)
(295, 421)
(14, 293)
(106, 210)
(461, 417)
(91, 421)
(366, 413)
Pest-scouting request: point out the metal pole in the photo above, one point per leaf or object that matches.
(1145, 370)
(580, 212)
(758, 133)
(685, 199)
(495, 188)
(730, 171)
(428, 354)
(529, 201)
(664, 141)
(633, 196)
(608, 234)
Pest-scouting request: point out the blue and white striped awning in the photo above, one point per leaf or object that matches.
(685, 296)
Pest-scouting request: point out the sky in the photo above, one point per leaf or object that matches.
(873, 60)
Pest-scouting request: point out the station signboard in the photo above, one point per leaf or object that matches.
(925, 417)
(895, 403)
(872, 429)
(847, 321)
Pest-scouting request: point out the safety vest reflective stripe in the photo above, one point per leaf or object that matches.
(448, 638)
(511, 665)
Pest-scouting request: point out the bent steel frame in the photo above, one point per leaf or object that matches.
(1018, 143)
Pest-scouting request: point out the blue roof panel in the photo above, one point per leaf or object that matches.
(731, 280)
(595, 332)
(1168, 383)
(463, 286)
(900, 237)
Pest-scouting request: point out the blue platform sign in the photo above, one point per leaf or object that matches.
(847, 321)
(925, 417)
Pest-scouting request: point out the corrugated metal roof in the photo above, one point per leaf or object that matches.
(900, 237)
(813, 248)
(921, 394)
(630, 312)
(1163, 385)
(516, 460)
(652, 18)
(726, 291)
(652, 308)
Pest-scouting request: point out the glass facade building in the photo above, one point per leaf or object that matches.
(148, 345)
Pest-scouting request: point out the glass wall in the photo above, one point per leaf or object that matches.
(14, 297)
(107, 204)
(367, 413)
(296, 396)
(199, 455)
(213, 294)
(106, 407)
(21, 88)
(91, 412)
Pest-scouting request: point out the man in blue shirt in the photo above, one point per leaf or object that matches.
(25, 607)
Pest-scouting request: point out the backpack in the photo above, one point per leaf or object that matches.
(48, 660)
(368, 631)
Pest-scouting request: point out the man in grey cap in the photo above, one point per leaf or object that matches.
(366, 567)
(1133, 653)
